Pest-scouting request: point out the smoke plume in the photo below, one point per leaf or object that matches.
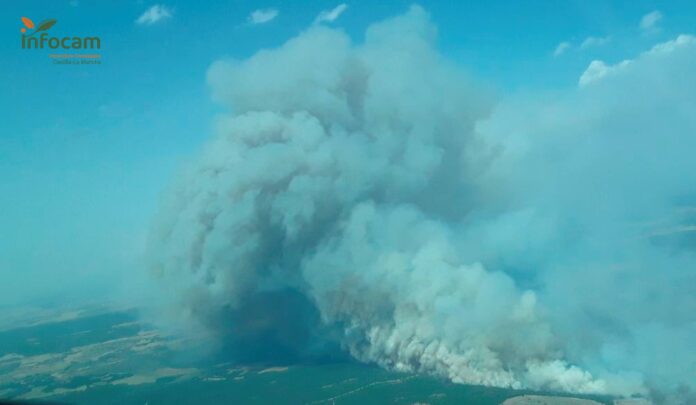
(371, 199)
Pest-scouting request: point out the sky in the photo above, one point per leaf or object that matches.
(85, 151)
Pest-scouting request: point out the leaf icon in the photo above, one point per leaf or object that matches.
(46, 25)
(29, 23)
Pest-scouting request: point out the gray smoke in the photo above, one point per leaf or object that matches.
(369, 197)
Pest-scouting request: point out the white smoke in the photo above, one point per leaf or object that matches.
(363, 194)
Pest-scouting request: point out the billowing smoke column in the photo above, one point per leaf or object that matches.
(363, 197)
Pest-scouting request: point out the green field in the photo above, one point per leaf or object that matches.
(109, 357)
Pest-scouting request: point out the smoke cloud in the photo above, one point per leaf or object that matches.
(372, 199)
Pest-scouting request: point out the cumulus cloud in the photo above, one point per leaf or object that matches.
(650, 21)
(262, 16)
(598, 69)
(561, 48)
(375, 193)
(682, 41)
(154, 14)
(331, 15)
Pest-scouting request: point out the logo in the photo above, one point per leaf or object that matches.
(36, 36)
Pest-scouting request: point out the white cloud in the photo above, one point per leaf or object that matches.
(331, 15)
(262, 16)
(593, 41)
(649, 21)
(561, 48)
(670, 46)
(154, 14)
(598, 69)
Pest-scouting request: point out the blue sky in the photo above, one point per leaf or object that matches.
(86, 150)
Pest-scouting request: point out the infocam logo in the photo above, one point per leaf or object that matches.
(36, 36)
